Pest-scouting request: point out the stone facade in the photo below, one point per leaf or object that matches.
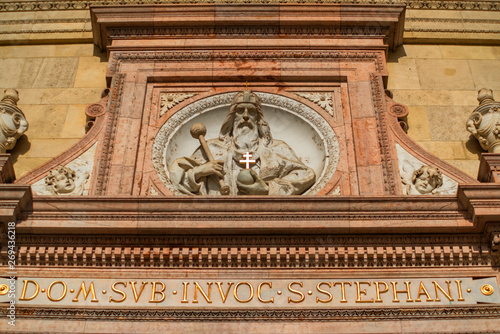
(389, 212)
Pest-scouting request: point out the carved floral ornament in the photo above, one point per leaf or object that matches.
(169, 100)
(281, 112)
(322, 99)
(484, 123)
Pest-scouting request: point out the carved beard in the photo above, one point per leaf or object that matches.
(246, 138)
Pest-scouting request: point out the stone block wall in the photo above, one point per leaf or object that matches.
(46, 53)
(439, 84)
(55, 83)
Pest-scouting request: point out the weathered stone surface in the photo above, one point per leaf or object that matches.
(45, 120)
(423, 97)
(11, 70)
(91, 72)
(447, 150)
(441, 74)
(48, 148)
(71, 95)
(30, 71)
(56, 72)
(404, 74)
(469, 166)
(74, 122)
(485, 74)
(451, 118)
(418, 123)
(467, 52)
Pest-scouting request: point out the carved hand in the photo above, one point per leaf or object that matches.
(259, 187)
(215, 167)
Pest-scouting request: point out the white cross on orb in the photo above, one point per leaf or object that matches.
(247, 160)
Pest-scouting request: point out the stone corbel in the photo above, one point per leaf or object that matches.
(489, 168)
(7, 174)
(492, 235)
(14, 200)
(481, 201)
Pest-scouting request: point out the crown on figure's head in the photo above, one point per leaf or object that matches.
(246, 96)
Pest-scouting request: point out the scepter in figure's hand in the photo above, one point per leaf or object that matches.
(198, 131)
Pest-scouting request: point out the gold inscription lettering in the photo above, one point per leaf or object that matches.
(25, 287)
(292, 290)
(235, 292)
(438, 287)
(198, 287)
(407, 291)
(86, 293)
(330, 296)
(423, 291)
(49, 291)
(378, 291)
(154, 292)
(359, 292)
(342, 289)
(185, 292)
(134, 290)
(259, 297)
(222, 295)
(459, 287)
(124, 295)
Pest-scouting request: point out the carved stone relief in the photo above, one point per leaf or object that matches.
(420, 179)
(284, 116)
(12, 120)
(71, 179)
(169, 100)
(322, 99)
(484, 123)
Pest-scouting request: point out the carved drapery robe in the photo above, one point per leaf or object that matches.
(276, 164)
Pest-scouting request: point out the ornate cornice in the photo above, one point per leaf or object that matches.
(360, 314)
(261, 251)
(273, 20)
(85, 4)
(147, 56)
(254, 31)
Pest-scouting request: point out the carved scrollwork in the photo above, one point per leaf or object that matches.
(398, 110)
(95, 110)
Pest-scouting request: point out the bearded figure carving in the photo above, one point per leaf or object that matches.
(277, 169)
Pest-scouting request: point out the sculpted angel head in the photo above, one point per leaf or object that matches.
(61, 180)
(426, 179)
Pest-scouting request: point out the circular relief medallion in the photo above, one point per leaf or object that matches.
(299, 134)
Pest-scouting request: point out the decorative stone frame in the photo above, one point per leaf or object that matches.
(297, 109)
(372, 223)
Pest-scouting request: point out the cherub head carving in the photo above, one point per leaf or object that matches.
(427, 179)
(61, 180)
